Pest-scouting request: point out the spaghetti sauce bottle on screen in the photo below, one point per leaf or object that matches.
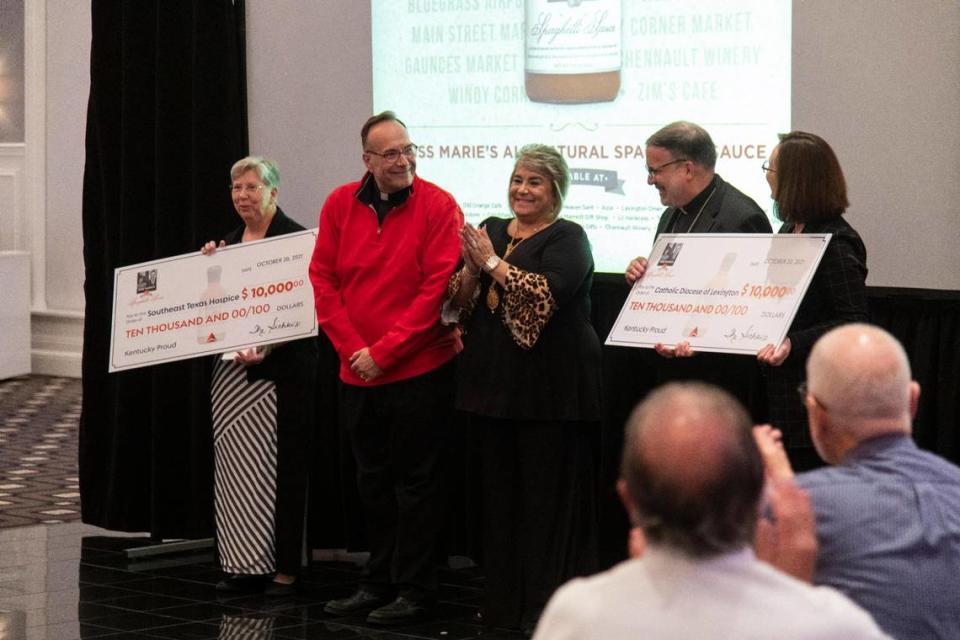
(572, 50)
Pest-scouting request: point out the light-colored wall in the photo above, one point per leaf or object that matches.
(47, 179)
(309, 91)
(879, 79)
(67, 88)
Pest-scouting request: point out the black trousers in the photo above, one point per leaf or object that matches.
(399, 434)
(296, 400)
(539, 513)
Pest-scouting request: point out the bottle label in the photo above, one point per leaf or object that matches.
(573, 36)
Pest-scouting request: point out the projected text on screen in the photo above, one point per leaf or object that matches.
(475, 80)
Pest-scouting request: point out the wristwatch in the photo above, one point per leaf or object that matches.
(491, 263)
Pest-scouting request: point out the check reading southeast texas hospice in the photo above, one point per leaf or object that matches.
(242, 296)
(723, 292)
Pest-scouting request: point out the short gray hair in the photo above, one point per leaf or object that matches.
(267, 169)
(688, 141)
(708, 504)
(860, 373)
(546, 160)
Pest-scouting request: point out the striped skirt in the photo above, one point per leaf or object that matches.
(246, 627)
(245, 475)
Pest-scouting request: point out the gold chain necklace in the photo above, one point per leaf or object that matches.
(493, 297)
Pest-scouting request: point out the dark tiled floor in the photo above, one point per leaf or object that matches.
(70, 581)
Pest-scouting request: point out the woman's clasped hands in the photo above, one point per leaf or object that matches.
(475, 246)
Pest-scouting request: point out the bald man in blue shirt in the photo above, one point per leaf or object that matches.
(888, 513)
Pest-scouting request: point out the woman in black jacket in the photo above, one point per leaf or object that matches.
(263, 414)
(810, 194)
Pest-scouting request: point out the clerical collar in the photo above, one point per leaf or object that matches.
(696, 205)
(370, 195)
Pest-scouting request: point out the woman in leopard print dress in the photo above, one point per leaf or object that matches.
(529, 376)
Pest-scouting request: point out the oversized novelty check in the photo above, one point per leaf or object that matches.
(725, 292)
(243, 295)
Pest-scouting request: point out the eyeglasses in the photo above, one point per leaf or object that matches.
(653, 171)
(249, 189)
(766, 168)
(392, 155)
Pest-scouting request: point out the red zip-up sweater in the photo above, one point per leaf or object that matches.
(381, 286)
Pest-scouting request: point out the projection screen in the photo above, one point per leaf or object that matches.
(474, 80)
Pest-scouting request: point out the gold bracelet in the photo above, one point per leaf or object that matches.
(472, 274)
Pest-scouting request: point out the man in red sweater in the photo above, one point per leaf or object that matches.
(385, 249)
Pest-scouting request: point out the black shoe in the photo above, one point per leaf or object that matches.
(362, 601)
(400, 611)
(242, 583)
(280, 589)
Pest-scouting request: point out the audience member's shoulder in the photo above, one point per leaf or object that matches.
(581, 603)
(611, 579)
(806, 611)
(840, 617)
(830, 476)
(569, 612)
(939, 469)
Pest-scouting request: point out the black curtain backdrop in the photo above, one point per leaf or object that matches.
(166, 119)
(926, 322)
